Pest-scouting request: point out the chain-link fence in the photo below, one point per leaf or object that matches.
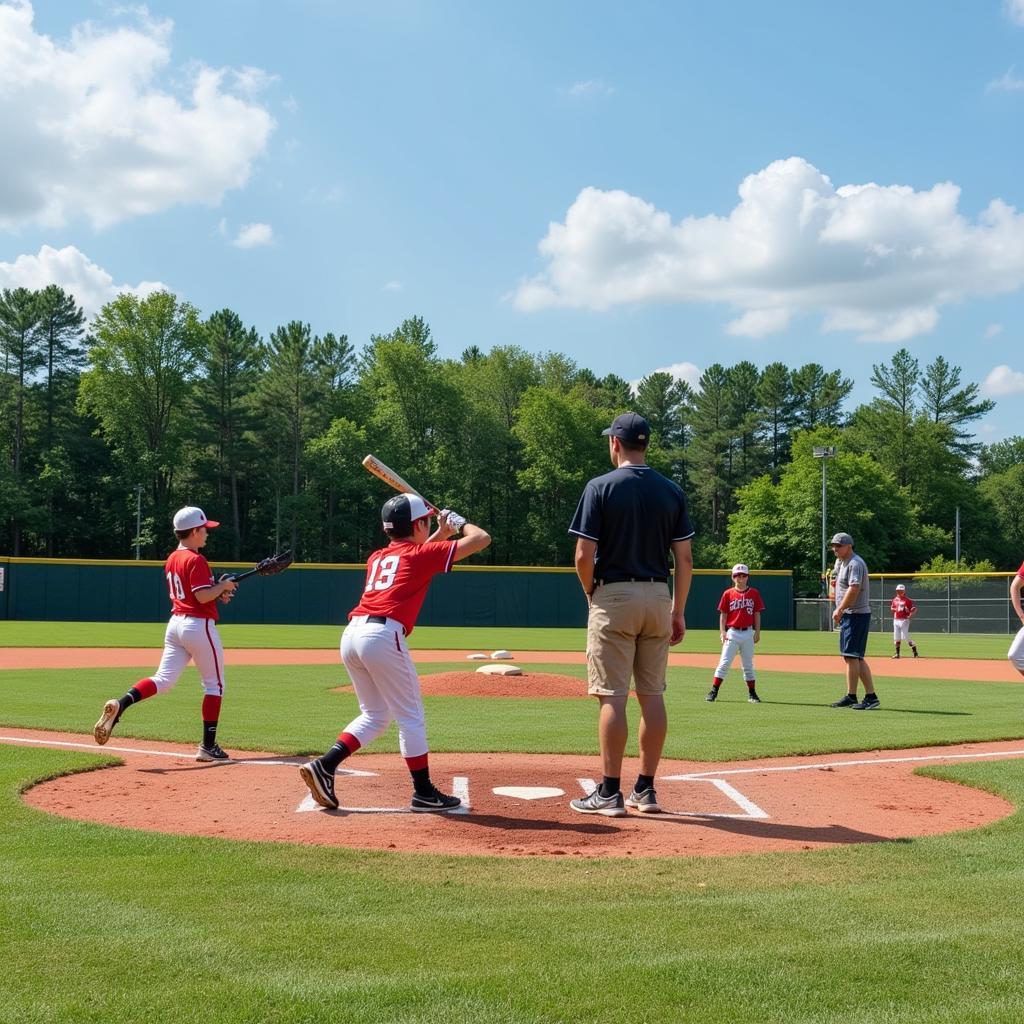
(961, 602)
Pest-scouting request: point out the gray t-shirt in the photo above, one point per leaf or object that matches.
(850, 573)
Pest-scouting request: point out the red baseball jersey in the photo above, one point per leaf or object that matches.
(186, 571)
(740, 607)
(1020, 571)
(902, 606)
(397, 578)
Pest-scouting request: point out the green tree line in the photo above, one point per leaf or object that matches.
(152, 406)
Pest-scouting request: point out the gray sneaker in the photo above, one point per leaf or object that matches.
(645, 802)
(609, 806)
(869, 703)
(845, 702)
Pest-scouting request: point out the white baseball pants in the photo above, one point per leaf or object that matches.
(901, 629)
(741, 640)
(386, 684)
(1016, 651)
(191, 639)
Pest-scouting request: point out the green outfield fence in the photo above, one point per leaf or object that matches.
(959, 602)
(86, 590)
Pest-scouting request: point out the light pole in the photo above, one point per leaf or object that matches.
(824, 454)
(138, 520)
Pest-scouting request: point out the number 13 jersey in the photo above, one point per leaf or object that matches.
(397, 578)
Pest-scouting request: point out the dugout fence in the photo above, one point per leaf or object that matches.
(961, 602)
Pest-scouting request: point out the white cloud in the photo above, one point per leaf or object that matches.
(757, 323)
(252, 235)
(993, 330)
(1007, 82)
(99, 134)
(1001, 381)
(880, 260)
(1014, 10)
(590, 88)
(72, 270)
(393, 286)
(688, 372)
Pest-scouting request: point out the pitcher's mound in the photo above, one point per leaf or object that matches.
(529, 684)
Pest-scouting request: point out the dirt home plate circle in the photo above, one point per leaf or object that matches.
(516, 805)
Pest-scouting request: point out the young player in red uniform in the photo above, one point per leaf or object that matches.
(739, 628)
(373, 648)
(903, 610)
(191, 633)
(1016, 651)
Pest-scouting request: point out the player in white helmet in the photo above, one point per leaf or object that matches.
(903, 610)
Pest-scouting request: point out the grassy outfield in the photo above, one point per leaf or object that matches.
(292, 709)
(150, 635)
(105, 925)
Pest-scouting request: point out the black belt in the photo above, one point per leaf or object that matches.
(633, 579)
(381, 620)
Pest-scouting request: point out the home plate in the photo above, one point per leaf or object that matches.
(528, 792)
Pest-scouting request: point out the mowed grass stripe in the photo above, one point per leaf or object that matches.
(698, 641)
(100, 924)
(295, 709)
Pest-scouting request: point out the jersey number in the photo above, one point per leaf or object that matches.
(175, 587)
(382, 573)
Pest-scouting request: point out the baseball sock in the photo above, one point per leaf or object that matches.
(716, 682)
(211, 715)
(897, 648)
(913, 647)
(609, 786)
(140, 691)
(420, 771)
(345, 746)
(751, 685)
(643, 783)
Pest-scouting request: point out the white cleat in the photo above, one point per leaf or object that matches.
(105, 726)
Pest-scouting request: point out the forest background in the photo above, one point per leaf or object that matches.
(151, 405)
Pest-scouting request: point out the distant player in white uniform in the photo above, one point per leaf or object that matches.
(374, 651)
(1016, 651)
(191, 634)
(739, 628)
(903, 610)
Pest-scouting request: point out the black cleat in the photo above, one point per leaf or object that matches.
(712, 695)
(213, 753)
(321, 784)
(435, 801)
(753, 698)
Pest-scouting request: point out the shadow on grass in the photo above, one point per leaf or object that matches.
(884, 707)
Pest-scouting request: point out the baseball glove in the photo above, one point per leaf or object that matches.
(268, 566)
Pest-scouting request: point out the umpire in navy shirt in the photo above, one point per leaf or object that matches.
(625, 526)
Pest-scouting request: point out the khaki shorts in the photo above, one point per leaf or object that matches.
(628, 633)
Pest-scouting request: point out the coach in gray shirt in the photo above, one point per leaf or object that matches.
(853, 617)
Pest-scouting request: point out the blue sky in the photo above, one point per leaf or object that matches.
(558, 176)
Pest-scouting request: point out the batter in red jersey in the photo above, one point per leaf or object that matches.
(1016, 651)
(739, 628)
(903, 610)
(373, 645)
(191, 633)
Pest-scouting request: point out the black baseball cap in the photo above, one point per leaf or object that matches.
(401, 511)
(630, 427)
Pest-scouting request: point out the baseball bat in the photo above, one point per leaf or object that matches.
(384, 472)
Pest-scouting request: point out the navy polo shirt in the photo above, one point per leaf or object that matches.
(634, 514)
